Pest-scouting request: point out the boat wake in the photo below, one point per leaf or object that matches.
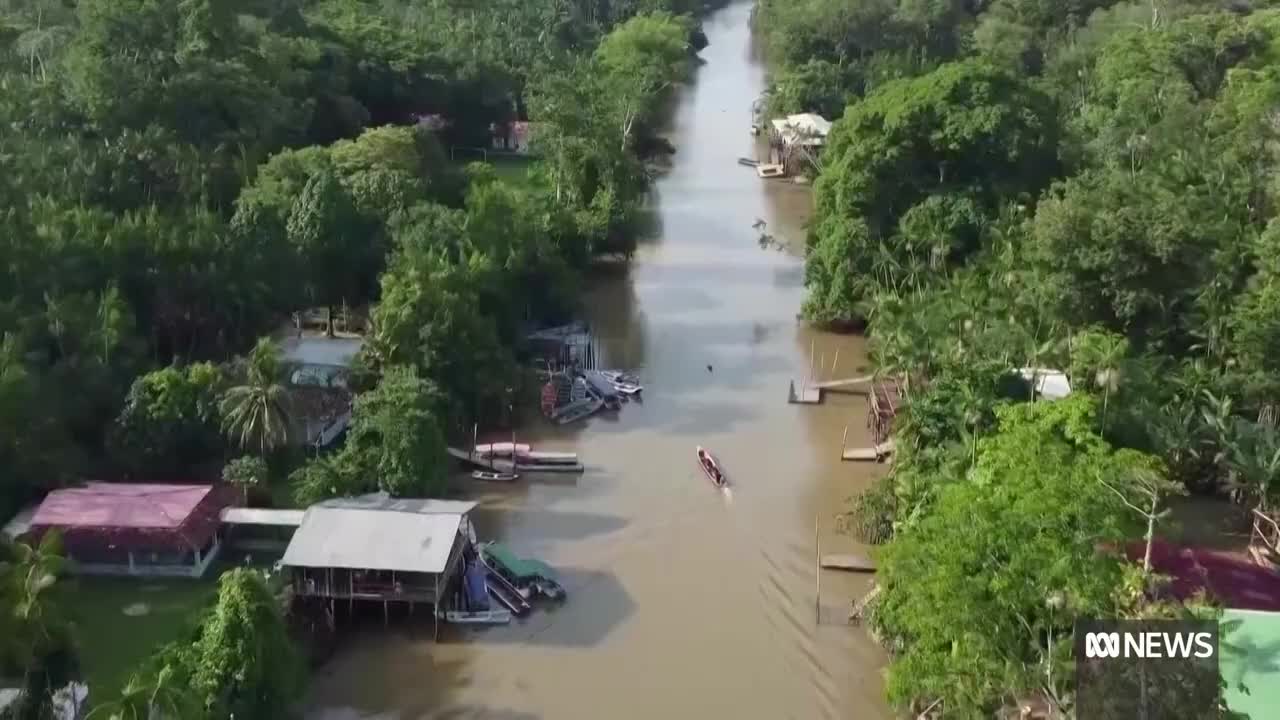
(727, 492)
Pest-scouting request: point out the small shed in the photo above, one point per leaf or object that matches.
(803, 129)
(317, 372)
(796, 140)
(136, 528)
(379, 548)
(1048, 383)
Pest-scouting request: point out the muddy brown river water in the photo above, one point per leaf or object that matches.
(683, 603)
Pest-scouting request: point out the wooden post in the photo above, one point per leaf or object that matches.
(475, 432)
(822, 364)
(835, 360)
(435, 609)
(844, 440)
(817, 570)
(808, 378)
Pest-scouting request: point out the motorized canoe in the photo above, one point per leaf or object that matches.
(711, 468)
(494, 476)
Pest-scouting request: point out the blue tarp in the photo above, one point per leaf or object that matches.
(477, 591)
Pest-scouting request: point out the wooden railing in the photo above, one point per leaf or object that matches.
(1264, 541)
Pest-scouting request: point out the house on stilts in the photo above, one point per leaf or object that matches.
(375, 548)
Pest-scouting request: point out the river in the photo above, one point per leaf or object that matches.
(683, 603)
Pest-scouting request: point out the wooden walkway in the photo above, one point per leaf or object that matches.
(876, 453)
(835, 384)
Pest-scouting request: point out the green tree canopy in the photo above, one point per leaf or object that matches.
(970, 589)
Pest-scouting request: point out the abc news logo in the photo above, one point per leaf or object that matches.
(1150, 645)
(1155, 669)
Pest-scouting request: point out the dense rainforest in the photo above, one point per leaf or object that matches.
(179, 179)
(1082, 185)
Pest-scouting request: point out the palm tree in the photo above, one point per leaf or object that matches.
(37, 628)
(1254, 459)
(255, 414)
(164, 696)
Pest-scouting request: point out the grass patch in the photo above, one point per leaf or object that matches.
(113, 643)
(512, 168)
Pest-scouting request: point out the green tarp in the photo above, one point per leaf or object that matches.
(518, 566)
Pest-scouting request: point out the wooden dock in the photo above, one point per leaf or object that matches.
(808, 395)
(848, 562)
(876, 453)
(843, 383)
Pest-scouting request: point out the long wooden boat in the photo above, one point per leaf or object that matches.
(480, 617)
(579, 410)
(618, 377)
(502, 449)
(711, 468)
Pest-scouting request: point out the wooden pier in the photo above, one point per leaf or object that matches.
(876, 453)
(848, 562)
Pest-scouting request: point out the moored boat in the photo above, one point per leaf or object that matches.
(619, 377)
(523, 573)
(578, 410)
(711, 468)
(494, 476)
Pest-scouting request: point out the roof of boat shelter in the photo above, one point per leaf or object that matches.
(376, 532)
(262, 516)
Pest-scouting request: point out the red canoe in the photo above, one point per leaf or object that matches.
(711, 468)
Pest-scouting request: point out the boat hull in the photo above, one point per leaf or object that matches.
(711, 468)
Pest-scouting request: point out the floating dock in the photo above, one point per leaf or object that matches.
(808, 395)
(848, 562)
(575, 467)
(876, 453)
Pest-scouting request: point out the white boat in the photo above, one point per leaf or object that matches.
(770, 170)
(494, 476)
(617, 376)
(502, 449)
(548, 458)
(628, 388)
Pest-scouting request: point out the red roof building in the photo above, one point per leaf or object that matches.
(129, 528)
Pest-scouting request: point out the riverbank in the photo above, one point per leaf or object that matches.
(669, 586)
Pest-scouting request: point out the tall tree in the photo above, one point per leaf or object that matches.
(330, 238)
(245, 665)
(255, 414)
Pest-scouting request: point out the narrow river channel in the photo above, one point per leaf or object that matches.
(682, 603)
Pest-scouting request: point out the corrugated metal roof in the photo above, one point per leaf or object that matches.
(383, 501)
(262, 516)
(374, 539)
(125, 505)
